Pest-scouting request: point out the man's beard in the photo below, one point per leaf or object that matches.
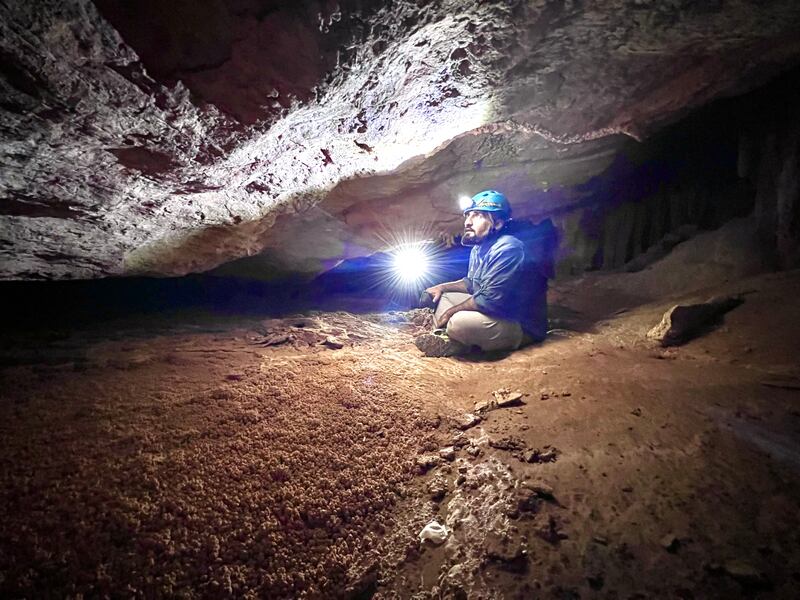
(472, 240)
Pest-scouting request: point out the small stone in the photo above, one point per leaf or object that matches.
(426, 462)
(460, 440)
(636, 412)
(332, 343)
(461, 479)
(670, 543)
(745, 573)
(473, 451)
(483, 406)
(540, 456)
(448, 454)
(437, 489)
(469, 420)
(505, 398)
(600, 539)
(683, 322)
(540, 488)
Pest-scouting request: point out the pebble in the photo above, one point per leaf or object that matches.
(332, 343)
(744, 573)
(469, 420)
(670, 543)
(540, 488)
(426, 462)
(448, 454)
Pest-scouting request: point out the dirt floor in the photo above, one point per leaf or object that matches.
(301, 458)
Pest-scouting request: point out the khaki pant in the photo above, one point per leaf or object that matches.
(474, 328)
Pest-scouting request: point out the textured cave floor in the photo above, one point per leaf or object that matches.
(187, 459)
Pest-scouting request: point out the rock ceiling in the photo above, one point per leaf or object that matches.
(168, 138)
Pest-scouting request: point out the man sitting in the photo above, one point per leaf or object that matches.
(502, 302)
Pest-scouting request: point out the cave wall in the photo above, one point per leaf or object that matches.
(165, 139)
(734, 158)
(770, 161)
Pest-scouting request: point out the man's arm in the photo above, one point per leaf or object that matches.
(468, 304)
(451, 286)
(501, 274)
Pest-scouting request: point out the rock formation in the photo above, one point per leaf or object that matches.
(170, 138)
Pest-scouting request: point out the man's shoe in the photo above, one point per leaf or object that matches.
(439, 344)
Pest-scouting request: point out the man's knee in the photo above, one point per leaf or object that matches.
(463, 327)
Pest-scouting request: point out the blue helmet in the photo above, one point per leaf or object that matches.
(490, 201)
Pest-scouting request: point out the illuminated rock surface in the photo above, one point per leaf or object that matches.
(169, 140)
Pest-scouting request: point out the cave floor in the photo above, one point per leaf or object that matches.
(194, 459)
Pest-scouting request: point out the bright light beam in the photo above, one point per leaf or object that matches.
(411, 265)
(464, 202)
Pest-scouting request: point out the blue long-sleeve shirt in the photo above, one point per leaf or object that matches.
(505, 282)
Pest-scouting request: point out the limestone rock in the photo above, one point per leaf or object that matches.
(682, 322)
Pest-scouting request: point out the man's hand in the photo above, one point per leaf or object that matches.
(436, 292)
(468, 304)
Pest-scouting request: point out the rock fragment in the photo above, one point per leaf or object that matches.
(545, 455)
(448, 453)
(426, 462)
(503, 397)
(468, 420)
(745, 573)
(541, 489)
(510, 443)
(670, 543)
(438, 488)
(333, 343)
(683, 322)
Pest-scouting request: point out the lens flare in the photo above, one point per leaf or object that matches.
(411, 264)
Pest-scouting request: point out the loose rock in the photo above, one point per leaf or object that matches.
(426, 462)
(746, 574)
(448, 454)
(333, 343)
(683, 322)
(469, 420)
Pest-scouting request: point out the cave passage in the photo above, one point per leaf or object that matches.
(216, 219)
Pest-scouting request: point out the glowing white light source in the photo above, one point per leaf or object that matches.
(464, 202)
(410, 264)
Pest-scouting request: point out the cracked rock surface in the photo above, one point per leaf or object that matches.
(170, 140)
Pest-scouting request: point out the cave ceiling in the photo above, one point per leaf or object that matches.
(164, 138)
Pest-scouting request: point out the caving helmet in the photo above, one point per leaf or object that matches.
(490, 201)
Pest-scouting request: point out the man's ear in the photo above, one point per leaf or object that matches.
(498, 224)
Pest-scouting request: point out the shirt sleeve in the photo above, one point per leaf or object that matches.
(498, 284)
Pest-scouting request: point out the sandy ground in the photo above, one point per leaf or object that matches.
(224, 458)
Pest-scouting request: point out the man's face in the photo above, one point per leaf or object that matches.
(478, 225)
